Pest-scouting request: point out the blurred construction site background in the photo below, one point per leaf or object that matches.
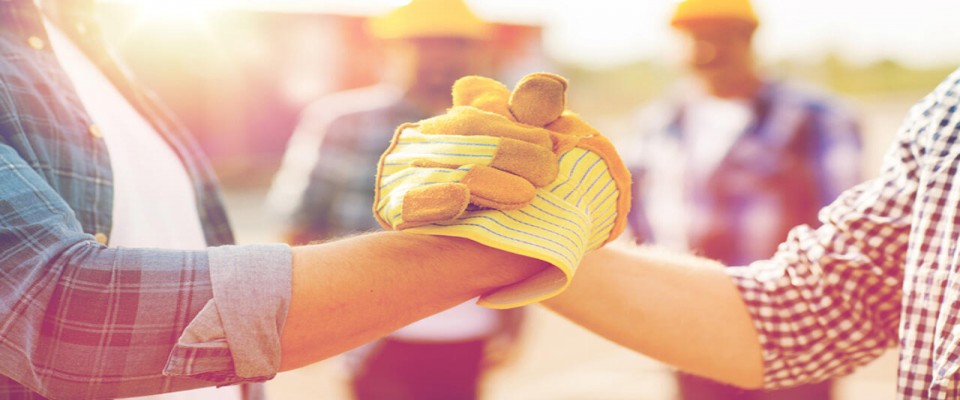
(239, 73)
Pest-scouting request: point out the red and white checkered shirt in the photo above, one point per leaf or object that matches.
(883, 270)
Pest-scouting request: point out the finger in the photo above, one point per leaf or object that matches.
(433, 203)
(412, 146)
(408, 178)
(483, 93)
(534, 163)
(538, 99)
(427, 195)
(489, 187)
(492, 188)
(469, 121)
(392, 190)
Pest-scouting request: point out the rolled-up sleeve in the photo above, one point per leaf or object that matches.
(80, 320)
(830, 299)
(236, 336)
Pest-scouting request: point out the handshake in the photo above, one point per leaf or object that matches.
(511, 170)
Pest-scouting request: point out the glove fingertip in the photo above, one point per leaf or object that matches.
(492, 188)
(539, 99)
(434, 203)
(482, 93)
(536, 164)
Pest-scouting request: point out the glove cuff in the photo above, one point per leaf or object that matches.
(550, 230)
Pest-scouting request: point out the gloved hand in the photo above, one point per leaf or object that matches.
(510, 170)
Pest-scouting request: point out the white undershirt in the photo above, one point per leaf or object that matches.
(711, 127)
(153, 202)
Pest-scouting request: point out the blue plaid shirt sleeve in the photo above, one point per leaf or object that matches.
(80, 320)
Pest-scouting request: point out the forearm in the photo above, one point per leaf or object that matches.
(354, 290)
(681, 310)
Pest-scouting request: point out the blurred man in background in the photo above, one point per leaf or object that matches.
(330, 166)
(732, 161)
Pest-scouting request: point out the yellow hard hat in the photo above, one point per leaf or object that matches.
(700, 10)
(429, 18)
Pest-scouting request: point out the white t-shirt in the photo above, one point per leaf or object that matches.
(712, 127)
(154, 205)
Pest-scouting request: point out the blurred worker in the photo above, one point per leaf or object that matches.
(331, 165)
(729, 164)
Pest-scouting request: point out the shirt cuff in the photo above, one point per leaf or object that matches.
(755, 297)
(783, 322)
(236, 336)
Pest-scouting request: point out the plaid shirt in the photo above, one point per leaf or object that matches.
(79, 319)
(347, 133)
(883, 269)
(799, 152)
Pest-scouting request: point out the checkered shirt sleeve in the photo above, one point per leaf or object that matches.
(882, 270)
(830, 298)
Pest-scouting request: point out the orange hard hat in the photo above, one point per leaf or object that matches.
(429, 18)
(692, 11)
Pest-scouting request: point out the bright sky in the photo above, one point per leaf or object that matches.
(609, 32)
(918, 32)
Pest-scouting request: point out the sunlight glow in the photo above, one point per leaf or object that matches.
(174, 12)
(611, 32)
(176, 9)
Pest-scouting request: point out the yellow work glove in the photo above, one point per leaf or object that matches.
(510, 170)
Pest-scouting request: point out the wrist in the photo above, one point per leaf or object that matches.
(512, 268)
(487, 268)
